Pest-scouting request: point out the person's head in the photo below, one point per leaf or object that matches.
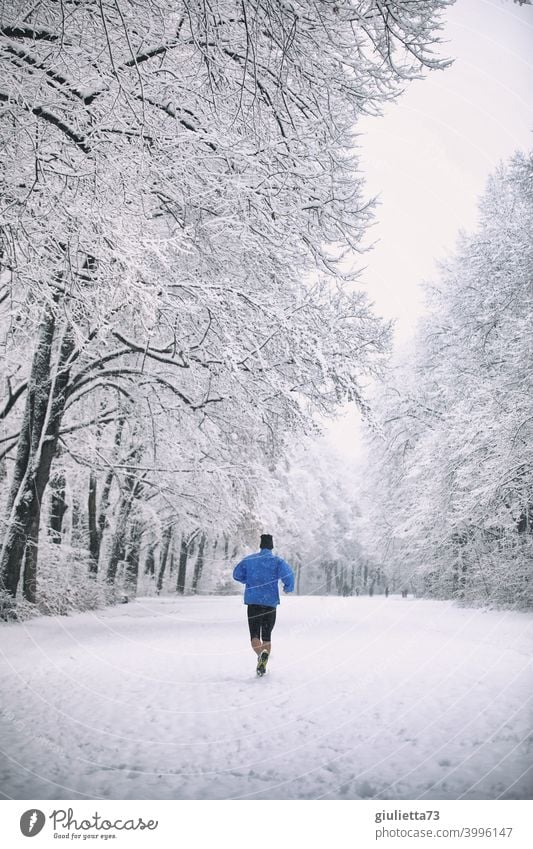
(266, 541)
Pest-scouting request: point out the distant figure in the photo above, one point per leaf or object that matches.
(386, 592)
(260, 574)
(404, 593)
(357, 591)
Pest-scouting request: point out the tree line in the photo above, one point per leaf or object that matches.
(450, 462)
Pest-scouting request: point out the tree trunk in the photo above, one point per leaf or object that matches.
(132, 557)
(98, 517)
(149, 566)
(58, 506)
(165, 547)
(45, 404)
(41, 474)
(182, 566)
(118, 545)
(76, 535)
(455, 579)
(132, 489)
(186, 548)
(199, 565)
(94, 546)
(31, 551)
(33, 421)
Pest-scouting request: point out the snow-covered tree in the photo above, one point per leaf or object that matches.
(309, 503)
(174, 176)
(455, 470)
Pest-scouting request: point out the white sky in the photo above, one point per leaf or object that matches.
(430, 154)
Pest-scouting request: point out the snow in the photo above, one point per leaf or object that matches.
(365, 698)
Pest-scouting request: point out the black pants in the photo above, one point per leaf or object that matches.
(261, 621)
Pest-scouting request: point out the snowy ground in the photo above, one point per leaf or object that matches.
(365, 698)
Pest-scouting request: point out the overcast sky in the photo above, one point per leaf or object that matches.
(429, 156)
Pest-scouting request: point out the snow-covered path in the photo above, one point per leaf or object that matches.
(365, 697)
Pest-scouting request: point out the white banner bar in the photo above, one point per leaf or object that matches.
(267, 824)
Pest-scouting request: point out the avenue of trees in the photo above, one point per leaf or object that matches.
(179, 201)
(450, 463)
(312, 503)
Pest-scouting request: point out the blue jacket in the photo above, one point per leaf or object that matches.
(260, 573)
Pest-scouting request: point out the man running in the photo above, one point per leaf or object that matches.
(260, 574)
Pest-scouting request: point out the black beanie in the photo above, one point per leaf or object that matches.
(266, 541)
